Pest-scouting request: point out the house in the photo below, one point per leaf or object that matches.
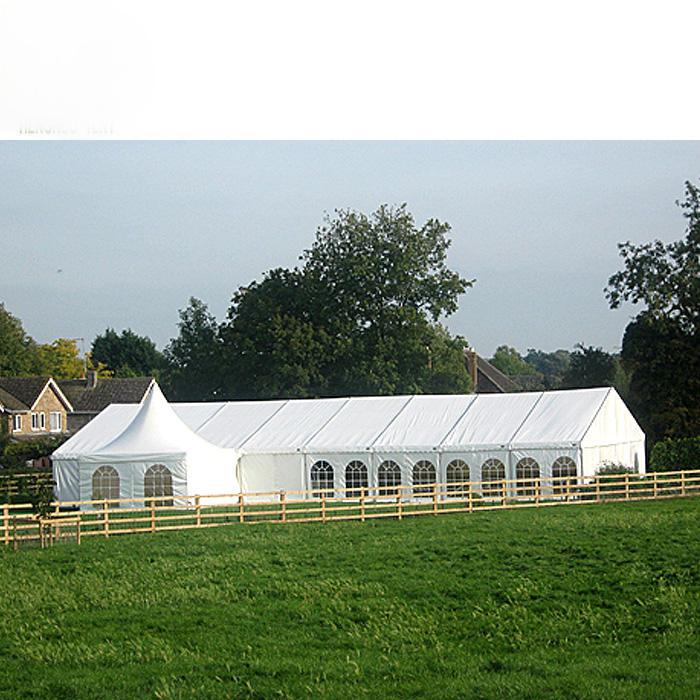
(486, 378)
(33, 407)
(93, 394)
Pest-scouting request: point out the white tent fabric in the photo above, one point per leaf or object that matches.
(278, 442)
(155, 435)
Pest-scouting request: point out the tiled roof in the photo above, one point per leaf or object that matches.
(11, 402)
(25, 391)
(489, 379)
(107, 391)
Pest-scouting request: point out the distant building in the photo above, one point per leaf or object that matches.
(91, 395)
(33, 407)
(486, 378)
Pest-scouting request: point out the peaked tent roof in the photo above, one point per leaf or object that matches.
(155, 429)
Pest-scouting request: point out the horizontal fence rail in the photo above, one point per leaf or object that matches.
(75, 520)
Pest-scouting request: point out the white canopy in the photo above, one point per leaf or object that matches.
(279, 441)
(132, 441)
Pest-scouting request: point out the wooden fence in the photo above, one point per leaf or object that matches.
(76, 520)
(14, 484)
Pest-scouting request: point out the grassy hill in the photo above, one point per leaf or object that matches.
(575, 602)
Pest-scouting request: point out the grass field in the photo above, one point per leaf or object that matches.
(598, 601)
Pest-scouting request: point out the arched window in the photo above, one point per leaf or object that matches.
(526, 470)
(105, 484)
(494, 471)
(388, 477)
(322, 479)
(457, 474)
(356, 479)
(423, 474)
(563, 468)
(158, 481)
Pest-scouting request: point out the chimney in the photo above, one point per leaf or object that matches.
(91, 378)
(474, 369)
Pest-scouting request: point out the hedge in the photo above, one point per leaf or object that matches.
(675, 454)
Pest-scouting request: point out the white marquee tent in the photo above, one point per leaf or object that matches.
(334, 443)
(132, 451)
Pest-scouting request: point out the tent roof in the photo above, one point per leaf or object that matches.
(492, 420)
(386, 423)
(154, 429)
(292, 427)
(424, 421)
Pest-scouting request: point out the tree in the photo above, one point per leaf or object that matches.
(664, 366)
(18, 355)
(551, 365)
(510, 362)
(193, 359)
(664, 277)
(61, 359)
(661, 346)
(590, 367)
(128, 354)
(359, 316)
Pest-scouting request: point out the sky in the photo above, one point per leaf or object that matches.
(121, 234)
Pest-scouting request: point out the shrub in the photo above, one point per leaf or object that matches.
(614, 468)
(16, 454)
(676, 454)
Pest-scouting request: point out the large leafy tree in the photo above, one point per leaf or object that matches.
(661, 346)
(18, 354)
(359, 316)
(510, 362)
(551, 365)
(590, 367)
(193, 359)
(61, 359)
(127, 354)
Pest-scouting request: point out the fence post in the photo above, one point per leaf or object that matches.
(323, 506)
(399, 503)
(6, 523)
(106, 518)
(504, 497)
(470, 498)
(198, 509)
(283, 501)
(682, 483)
(435, 499)
(362, 504)
(538, 490)
(241, 509)
(153, 514)
(656, 489)
(14, 532)
(597, 489)
(627, 487)
(77, 534)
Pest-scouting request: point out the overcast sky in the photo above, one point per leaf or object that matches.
(121, 234)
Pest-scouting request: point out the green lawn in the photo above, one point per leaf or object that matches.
(599, 601)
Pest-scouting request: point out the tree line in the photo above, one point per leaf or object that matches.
(363, 313)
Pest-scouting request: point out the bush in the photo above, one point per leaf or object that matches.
(16, 454)
(676, 454)
(607, 468)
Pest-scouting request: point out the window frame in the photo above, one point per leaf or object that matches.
(106, 471)
(59, 416)
(559, 481)
(386, 468)
(17, 423)
(494, 489)
(420, 487)
(324, 469)
(524, 469)
(165, 482)
(455, 487)
(356, 467)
